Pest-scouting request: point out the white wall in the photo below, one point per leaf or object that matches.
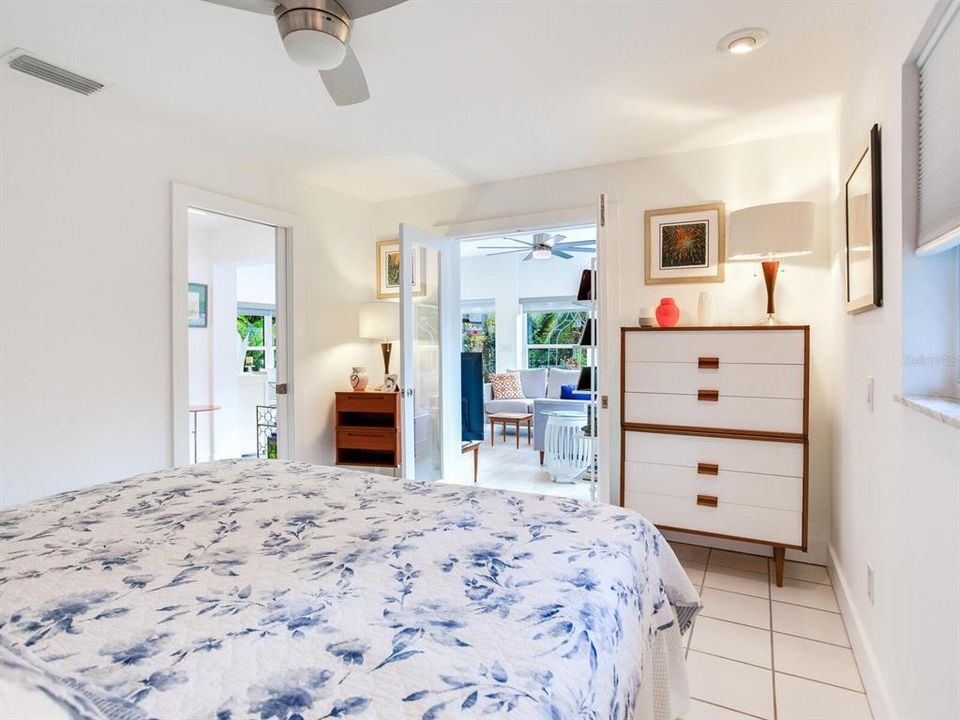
(896, 493)
(85, 372)
(793, 168)
(506, 279)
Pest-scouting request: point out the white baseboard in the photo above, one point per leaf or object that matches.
(873, 683)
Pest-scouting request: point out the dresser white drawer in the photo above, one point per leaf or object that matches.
(728, 346)
(747, 456)
(727, 412)
(685, 378)
(783, 527)
(779, 492)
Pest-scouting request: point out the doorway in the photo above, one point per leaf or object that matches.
(527, 314)
(233, 337)
(232, 329)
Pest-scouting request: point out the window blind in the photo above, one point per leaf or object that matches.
(938, 190)
(548, 304)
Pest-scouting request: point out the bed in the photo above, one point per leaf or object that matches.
(287, 591)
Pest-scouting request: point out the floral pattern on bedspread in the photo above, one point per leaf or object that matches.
(284, 591)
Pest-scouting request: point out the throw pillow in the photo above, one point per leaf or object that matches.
(506, 386)
(569, 392)
(558, 378)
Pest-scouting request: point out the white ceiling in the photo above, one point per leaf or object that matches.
(463, 91)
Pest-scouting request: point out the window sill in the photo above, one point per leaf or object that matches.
(944, 409)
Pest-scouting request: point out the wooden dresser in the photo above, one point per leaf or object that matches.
(714, 431)
(368, 429)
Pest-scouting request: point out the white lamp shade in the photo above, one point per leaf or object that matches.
(770, 231)
(379, 320)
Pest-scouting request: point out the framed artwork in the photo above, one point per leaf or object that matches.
(864, 243)
(196, 305)
(684, 244)
(388, 270)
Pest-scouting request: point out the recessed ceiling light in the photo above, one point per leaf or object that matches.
(743, 41)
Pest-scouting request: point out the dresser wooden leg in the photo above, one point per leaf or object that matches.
(778, 561)
(541, 457)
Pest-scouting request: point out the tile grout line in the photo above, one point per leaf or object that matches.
(843, 624)
(771, 629)
(773, 665)
(783, 602)
(782, 672)
(714, 704)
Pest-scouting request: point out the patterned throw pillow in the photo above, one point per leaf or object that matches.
(506, 386)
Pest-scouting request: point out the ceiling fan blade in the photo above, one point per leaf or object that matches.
(576, 249)
(507, 252)
(499, 247)
(359, 8)
(346, 83)
(560, 253)
(528, 256)
(522, 242)
(557, 238)
(264, 7)
(573, 243)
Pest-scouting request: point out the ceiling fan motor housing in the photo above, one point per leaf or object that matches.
(314, 32)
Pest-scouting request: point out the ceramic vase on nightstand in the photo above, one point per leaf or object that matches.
(359, 379)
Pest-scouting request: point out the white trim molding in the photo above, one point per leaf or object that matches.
(877, 693)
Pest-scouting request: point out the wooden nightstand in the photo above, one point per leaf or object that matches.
(368, 429)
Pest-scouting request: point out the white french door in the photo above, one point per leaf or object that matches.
(430, 357)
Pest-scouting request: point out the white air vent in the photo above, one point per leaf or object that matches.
(26, 63)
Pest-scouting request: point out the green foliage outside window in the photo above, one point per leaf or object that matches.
(553, 339)
(480, 335)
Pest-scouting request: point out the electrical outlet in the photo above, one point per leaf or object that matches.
(870, 392)
(870, 584)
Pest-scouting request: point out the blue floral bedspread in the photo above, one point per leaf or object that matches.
(257, 589)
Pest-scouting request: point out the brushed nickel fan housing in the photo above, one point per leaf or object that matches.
(314, 16)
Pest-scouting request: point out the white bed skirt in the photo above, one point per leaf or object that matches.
(664, 691)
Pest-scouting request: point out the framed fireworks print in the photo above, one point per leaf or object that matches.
(684, 244)
(388, 270)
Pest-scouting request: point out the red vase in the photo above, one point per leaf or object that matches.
(667, 312)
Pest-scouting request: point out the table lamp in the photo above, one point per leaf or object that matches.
(768, 233)
(381, 321)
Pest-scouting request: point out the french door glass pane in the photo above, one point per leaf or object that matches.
(426, 368)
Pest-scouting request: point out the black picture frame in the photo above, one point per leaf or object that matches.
(858, 237)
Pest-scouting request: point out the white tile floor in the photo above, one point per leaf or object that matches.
(759, 651)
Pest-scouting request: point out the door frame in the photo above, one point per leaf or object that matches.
(608, 306)
(184, 197)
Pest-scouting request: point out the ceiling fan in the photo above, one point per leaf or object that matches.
(316, 34)
(543, 247)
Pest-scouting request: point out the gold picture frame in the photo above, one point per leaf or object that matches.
(388, 271)
(685, 244)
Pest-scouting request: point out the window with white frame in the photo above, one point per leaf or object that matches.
(257, 326)
(552, 331)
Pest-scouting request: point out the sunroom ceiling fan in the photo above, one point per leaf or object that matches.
(543, 246)
(316, 34)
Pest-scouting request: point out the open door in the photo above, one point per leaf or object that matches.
(430, 362)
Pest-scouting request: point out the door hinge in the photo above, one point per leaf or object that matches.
(603, 210)
(281, 388)
(604, 402)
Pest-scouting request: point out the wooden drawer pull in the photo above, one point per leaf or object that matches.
(708, 363)
(707, 501)
(707, 469)
(708, 395)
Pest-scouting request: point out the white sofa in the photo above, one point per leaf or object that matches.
(541, 390)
